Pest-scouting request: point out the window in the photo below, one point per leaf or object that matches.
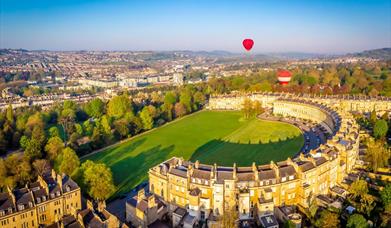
(283, 179)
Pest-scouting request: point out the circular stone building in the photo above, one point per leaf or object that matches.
(194, 192)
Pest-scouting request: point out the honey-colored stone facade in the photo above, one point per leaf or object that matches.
(41, 203)
(205, 189)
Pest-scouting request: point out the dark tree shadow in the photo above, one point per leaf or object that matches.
(244, 154)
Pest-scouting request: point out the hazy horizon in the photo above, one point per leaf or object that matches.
(330, 27)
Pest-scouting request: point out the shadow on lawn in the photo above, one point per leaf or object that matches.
(244, 154)
(116, 153)
(130, 171)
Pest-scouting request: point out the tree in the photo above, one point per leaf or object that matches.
(67, 119)
(167, 111)
(95, 108)
(385, 195)
(54, 132)
(180, 109)
(33, 149)
(377, 154)
(118, 106)
(122, 127)
(106, 126)
(380, 129)
(357, 221)
(68, 161)
(229, 219)
(136, 125)
(358, 188)
(23, 171)
(247, 108)
(98, 179)
(360, 198)
(54, 147)
(41, 166)
(366, 205)
(146, 118)
(373, 117)
(170, 98)
(327, 220)
(10, 114)
(24, 140)
(35, 120)
(186, 99)
(199, 99)
(38, 134)
(3, 173)
(257, 108)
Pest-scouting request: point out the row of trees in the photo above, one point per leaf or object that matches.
(370, 79)
(363, 201)
(378, 152)
(55, 137)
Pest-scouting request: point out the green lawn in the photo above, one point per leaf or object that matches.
(208, 136)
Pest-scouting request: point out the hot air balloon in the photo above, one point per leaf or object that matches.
(248, 44)
(284, 77)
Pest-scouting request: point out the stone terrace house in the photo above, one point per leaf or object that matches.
(40, 203)
(144, 209)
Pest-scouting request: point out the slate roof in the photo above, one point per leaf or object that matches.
(178, 172)
(201, 174)
(287, 171)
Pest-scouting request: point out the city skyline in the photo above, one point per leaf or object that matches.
(331, 27)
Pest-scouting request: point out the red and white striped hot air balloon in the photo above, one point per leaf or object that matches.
(284, 77)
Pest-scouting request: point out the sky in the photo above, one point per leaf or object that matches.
(322, 26)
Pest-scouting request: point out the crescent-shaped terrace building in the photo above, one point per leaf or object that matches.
(203, 192)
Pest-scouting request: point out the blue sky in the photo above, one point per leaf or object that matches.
(275, 26)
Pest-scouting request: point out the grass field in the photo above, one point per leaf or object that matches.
(208, 136)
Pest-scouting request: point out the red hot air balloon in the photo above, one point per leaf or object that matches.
(248, 44)
(284, 77)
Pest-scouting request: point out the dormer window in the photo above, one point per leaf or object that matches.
(51, 195)
(58, 193)
(68, 188)
(283, 179)
(43, 198)
(9, 210)
(20, 207)
(2, 213)
(38, 200)
(30, 204)
(291, 177)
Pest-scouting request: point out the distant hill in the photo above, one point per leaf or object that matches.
(296, 55)
(383, 54)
